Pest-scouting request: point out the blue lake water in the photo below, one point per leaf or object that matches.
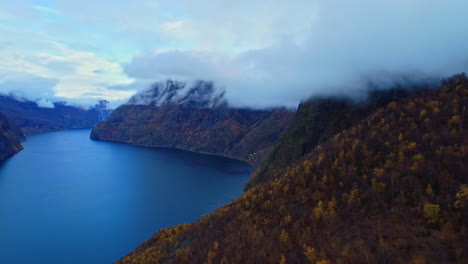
(67, 199)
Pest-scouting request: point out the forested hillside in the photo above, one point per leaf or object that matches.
(319, 119)
(9, 139)
(391, 188)
(200, 121)
(32, 119)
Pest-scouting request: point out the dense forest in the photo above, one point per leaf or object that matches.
(319, 119)
(390, 188)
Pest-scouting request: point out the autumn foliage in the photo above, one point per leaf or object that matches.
(392, 188)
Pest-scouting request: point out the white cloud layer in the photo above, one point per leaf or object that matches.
(263, 53)
(334, 46)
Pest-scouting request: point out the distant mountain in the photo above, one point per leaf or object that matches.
(195, 118)
(32, 119)
(391, 187)
(9, 139)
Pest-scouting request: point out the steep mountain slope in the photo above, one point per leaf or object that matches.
(390, 189)
(197, 120)
(9, 141)
(319, 119)
(32, 119)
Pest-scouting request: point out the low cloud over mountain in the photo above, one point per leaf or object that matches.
(262, 53)
(344, 45)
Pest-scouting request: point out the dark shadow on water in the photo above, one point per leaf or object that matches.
(196, 160)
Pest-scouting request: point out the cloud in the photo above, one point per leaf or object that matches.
(263, 53)
(172, 64)
(76, 74)
(336, 50)
(176, 28)
(27, 86)
(44, 103)
(32, 46)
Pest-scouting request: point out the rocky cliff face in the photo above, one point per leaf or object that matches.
(196, 119)
(32, 119)
(9, 142)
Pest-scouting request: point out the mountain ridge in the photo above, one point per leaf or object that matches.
(195, 118)
(32, 119)
(221, 131)
(320, 119)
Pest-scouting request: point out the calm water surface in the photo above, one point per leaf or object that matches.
(66, 199)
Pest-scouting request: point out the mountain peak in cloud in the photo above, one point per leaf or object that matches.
(200, 94)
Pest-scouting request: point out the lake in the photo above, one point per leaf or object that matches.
(67, 199)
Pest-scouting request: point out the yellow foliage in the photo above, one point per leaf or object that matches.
(354, 197)
(324, 181)
(432, 214)
(418, 158)
(429, 189)
(331, 210)
(462, 196)
(401, 156)
(332, 203)
(320, 159)
(412, 146)
(378, 186)
(310, 253)
(282, 259)
(211, 256)
(286, 220)
(378, 172)
(392, 105)
(388, 164)
(246, 204)
(388, 144)
(341, 154)
(414, 168)
(318, 211)
(335, 164)
(267, 205)
(401, 137)
(455, 120)
(284, 237)
(433, 104)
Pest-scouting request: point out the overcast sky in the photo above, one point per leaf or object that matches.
(264, 53)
